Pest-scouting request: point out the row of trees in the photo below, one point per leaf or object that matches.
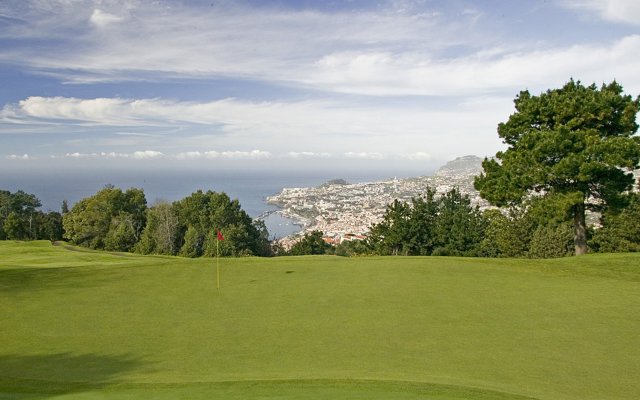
(447, 225)
(450, 226)
(20, 218)
(121, 221)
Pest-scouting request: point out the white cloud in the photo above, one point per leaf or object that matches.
(272, 127)
(625, 11)
(254, 154)
(483, 72)
(146, 154)
(189, 155)
(267, 43)
(307, 155)
(18, 157)
(80, 155)
(137, 155)
(364, 155)
(102, 19)
(238, 155)
(113, 154)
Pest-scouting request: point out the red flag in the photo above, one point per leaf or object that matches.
(220, 237)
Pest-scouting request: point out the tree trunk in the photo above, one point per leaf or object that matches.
(580, 227)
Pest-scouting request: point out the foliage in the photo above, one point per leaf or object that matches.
(351, 248)
(14, 227)
(536, 228)
(392, 235)
(160, 235)
(111, 219)
(620, 231)
(459, 226)
(49, 226)
(551, 241)
(311, 243)
(202, 214)
(122, 235)
(572, 143)
(120, 221)
(193, 243)
(507, 235)
(20, 218)
(448, 225)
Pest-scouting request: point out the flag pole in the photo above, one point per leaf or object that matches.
(218, 264)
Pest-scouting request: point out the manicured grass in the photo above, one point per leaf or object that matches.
(85, 325)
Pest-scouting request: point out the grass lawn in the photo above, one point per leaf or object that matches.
(91, 325)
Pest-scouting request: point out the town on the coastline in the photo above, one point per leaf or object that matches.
(343, 211)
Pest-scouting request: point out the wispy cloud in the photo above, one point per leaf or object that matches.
(136, 155)
(393, 51)
(625, 11)
(271, 126)
(408, 81)
(386, 73)
(212, 154)
(307, 155)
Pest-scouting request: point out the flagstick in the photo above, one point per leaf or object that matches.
(218, 264)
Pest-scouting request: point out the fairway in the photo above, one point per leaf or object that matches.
(91, 325)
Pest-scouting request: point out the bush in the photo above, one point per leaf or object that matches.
(552, 241)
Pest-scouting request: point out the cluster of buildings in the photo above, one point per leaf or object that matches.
(346, 212)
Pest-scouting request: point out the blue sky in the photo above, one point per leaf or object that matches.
(359, 84)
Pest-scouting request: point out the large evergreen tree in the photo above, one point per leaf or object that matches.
(575, 144)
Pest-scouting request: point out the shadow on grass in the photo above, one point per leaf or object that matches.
(30, 279)
(47, 375)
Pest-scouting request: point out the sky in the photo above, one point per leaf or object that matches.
(289, 84)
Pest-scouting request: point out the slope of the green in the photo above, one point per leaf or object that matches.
(77, 324)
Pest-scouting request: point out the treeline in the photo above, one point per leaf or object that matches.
(429, 225)
(20, 218)
(450, 226)
(121, 221)
(117, 220)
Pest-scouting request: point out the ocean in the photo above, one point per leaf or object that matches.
(250, 187)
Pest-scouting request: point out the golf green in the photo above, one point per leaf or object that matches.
(80, 324)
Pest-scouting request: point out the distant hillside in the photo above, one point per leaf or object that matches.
(467, 165)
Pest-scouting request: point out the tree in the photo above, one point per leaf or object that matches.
(203, 213)
(64, 207)
(193, 243)
(620, 231)
(49, 226)
(18, 213)
(122, 234)
(507, 235)
(423, 223)
(448, 225)
(551, 241)
(575, 144)
(161, 232)
(392, 235)
(459, 227)
(110, 213)
(311, 243)
(15, 227)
